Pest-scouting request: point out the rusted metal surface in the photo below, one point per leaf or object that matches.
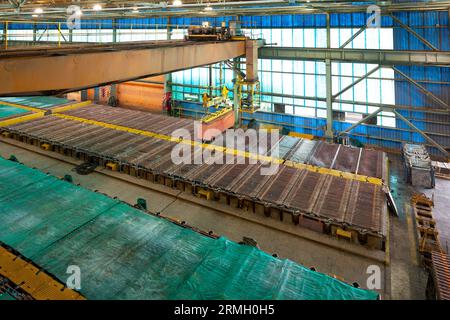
(332, 199)
(133, 119)
(113, 63)
(310, 199)
(305, 192)
(250, 141)
(250, 183)
(441, 274)
(371, 163)
(324, 155)
(427, 232)
(224, 177)
(365, 162)
(366, 201)
(276, 190)
(347, 159)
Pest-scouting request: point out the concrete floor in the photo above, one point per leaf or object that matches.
(402, 275)
(408, 278)
(407, 274)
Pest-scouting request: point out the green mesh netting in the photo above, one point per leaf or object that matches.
(36, 101)
(124, 253)
(8, 111)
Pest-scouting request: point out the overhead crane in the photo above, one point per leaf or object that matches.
(50, 70)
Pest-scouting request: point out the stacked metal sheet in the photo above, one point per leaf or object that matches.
(441, 274)
(324, 203)
(365, 162)
(418, 165)
(140, 120)
(361, 161)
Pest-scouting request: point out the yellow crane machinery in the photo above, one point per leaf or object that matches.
(216, 102)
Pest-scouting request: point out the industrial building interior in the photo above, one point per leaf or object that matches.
(224, 150)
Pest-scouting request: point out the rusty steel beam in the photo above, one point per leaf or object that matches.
(70, 69)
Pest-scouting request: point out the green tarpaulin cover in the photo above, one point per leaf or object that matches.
(8, 111)
(124, 253)
(36, 102)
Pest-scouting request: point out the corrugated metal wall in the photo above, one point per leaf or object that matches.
(434, 26)
(388, 138)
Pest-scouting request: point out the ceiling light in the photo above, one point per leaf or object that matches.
(177, 3)
(135, 10)
(38, 11)
(97, 7)
(35, 15)
(208, 7)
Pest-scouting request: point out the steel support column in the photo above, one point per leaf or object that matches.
(210, 80)
(329, 87)
(114, 30)
(34, 32)
(112, 101)
(84, 95)
(5, 34)
(97, 94)
(168, 76)
(236, 94)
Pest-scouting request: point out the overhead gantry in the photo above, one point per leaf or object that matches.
(70, 68)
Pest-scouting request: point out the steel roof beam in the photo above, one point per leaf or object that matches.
(372, 56)
(235, 8)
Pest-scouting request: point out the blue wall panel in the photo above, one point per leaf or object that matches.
(434, 26)
(367, 134)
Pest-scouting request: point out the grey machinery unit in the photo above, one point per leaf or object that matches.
(418, 165)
